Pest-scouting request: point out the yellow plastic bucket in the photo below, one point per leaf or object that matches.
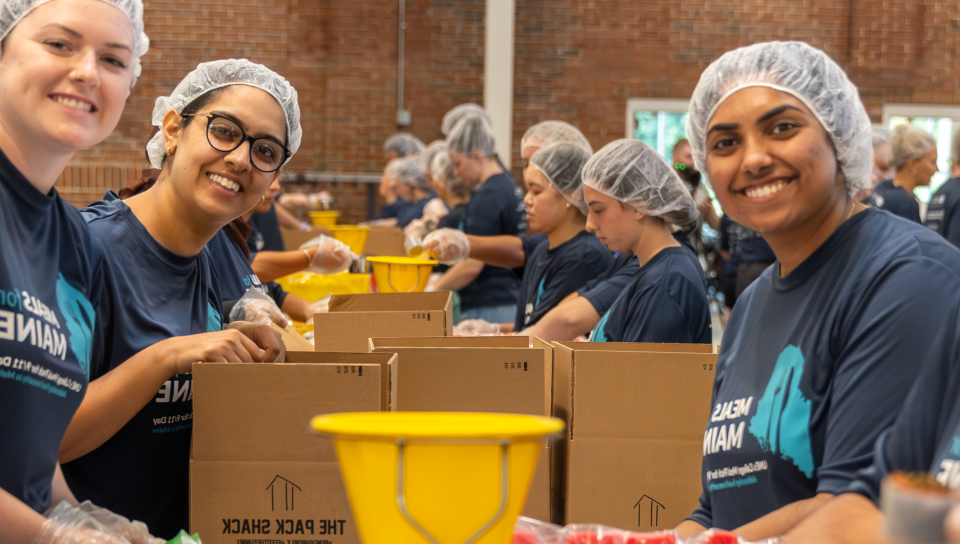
(355, 237)
(313, 286)
(437, 477)
(325, 219)
(401, 274)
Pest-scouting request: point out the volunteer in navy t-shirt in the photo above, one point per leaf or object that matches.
(50, 281)
(815, 365)
(150, 294)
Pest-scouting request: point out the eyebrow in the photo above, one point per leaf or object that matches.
(243, 126)
(79, 36)
(766, 116)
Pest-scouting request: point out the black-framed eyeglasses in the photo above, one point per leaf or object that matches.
(224, 135)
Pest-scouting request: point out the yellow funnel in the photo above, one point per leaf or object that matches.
(401, 274)
(355, 237)
(437, 477)
(324, 219)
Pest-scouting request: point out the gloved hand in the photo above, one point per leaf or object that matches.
(89, 524)
(319, 307)
(434, 210)
(448, 246)
(416, 229)
(256, 307)
(476, 327)
(328, 255)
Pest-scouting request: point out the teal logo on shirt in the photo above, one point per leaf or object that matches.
(782, 421)
(214, 321)
(598, 334)
(539, 292)
(80, 318)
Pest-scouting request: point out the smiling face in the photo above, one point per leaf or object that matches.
(214, 184)
(546, 207)
(771, 163)
(65, 75)
(616, 225)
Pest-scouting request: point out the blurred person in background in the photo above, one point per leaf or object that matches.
(942, 214)
(881, 161)
(913, 155)
(397, 146)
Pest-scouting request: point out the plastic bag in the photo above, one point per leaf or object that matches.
(448, 246)
(331, 256)
(90, 524)
(476, 327)
(257, 307)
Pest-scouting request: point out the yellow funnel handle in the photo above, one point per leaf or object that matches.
(504, 494)
(395, 290)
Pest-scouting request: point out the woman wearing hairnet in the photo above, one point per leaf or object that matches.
(913, 155)
(570, 256)
(225, 131)
(486, 292)
(66, 70)
(821, 349)
(635, 200)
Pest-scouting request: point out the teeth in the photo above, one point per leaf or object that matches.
(765, 190)
(225, 183)
(75, 104)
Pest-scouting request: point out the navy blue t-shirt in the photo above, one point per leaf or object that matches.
(233, 274)
(750, 246)
(665, 302)
(393, 210)
(894, 199)
(267, 224)
(455, 219)
(50, 280)
(926, 434)
(552, 274)
(730, 243)
(150, 294)
(411, 212)
(603, 291)
(942, 216)
(492, 211)
(816, 365)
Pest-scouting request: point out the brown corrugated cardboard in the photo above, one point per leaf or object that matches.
(293, 239)
(292, 339)
(635, 419)
(477, 379)
(257, 473)
(452, 342)
(354, 319)
(385, 242)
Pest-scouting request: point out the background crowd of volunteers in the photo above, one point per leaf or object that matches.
(842, 334)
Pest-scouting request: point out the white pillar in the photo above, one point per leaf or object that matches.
(498, 74)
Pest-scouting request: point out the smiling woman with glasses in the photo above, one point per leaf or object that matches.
(225, 131)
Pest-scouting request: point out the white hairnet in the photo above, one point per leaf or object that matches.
(442, 169)
(407, 171)
(550, 132)
(425, 159)
(632, 172)
(561, 163)
(454, 116)
(13, 11)
(472, 136)
(403, 144)
(222, 73)
(803, 72)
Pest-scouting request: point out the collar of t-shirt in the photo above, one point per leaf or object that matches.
(181, 263)
(22, 188)
(820, 255)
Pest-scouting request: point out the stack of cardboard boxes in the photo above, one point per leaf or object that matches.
(630, 457)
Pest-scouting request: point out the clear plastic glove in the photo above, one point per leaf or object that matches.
(331, 256)
(434, 210)
(448, 246)
(89, 524)
(416, 229)
(413, 245)
(321, 306)
(257, 307)
(476, 327)
(322, 200)
(294, 202)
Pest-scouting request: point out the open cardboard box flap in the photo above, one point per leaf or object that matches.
(451, 342)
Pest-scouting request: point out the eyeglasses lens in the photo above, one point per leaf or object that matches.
(225, 135)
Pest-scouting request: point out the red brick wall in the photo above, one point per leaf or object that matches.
(575, 60)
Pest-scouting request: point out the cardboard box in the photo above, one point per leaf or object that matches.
(354, 319)
(385, 242)
(293, 239)
(477, 376)
(256, 472)
(635, 423)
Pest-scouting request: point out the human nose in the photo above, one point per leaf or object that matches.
(85, 70)
(756, 158)
(528, 200)
(591, 225)
(239, 158)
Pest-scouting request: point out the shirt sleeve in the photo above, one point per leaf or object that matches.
(656, 318)
(602, 295)
(275, 292)
(910, 444)
(877, 361)
(576, 270)
(483, 215)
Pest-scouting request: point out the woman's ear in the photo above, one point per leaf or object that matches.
(170, 127)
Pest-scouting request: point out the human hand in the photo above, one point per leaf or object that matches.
(448, 246)
(257, 307)
(476, 327)
(328, 255)
(267, 339)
